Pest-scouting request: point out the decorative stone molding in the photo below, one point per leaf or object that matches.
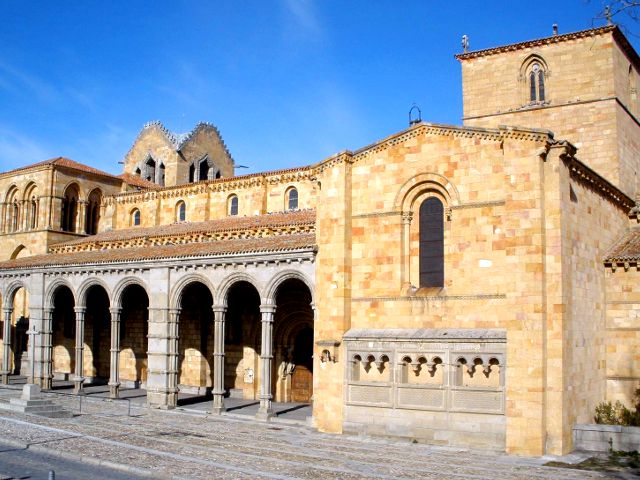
(583, 174)
(329, 349)
(431, 298)
(449, 353)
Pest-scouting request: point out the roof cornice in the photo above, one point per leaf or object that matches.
(543, 41)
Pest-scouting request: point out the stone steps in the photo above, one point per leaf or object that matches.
(32, 404)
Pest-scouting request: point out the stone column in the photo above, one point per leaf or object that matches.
(173, 337)
(24, 214)
(81, 221)
(47, 349)
(3, 218)
(114, 366)
(218, 358)
(405, 273)
(78, 380)
(265, 412)
(6, 345)
(162, 390)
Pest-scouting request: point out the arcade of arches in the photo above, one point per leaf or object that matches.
(217, 343)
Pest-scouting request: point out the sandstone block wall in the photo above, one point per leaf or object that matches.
(589, 100)
(622, 334)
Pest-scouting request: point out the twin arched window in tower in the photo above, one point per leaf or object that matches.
(534, 73)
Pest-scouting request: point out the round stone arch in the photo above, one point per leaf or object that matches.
(116, 298)
(10, 291)
(227, 283)
(81, 190)
(426, 182)
(18, 252)
(84, 289)
(287, 330)
(178, 289)
(11, 191)
(51, 290)
(29, 189)
(269, 293)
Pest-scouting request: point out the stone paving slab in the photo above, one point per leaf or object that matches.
(171, 444)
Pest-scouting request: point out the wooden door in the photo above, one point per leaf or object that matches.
(301, 384)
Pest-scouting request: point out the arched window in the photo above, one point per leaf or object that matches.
(291, 199)
(15, 216)
(432, 243)
(536, 83)
(161, 175)
(33, 213)
(93, 211)
(150, 167)
(232, 205)
(204, 169)
(534, 73)
(633, 91)
(181, 211)
(135, 217)
(30, 214)
(70, 208)
(192, 173)
(12, 211)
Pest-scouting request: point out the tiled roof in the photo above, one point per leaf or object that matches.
(137, 181)
(65, 162)
(272, 220)
(626, 249)
(272, 244)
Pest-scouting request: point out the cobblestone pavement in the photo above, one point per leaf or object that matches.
(25, 463)
(170, 444)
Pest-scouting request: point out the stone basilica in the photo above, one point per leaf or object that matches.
(472, 285)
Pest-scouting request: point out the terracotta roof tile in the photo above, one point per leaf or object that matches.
(64, 162)
(137, 181)
(298, 217)
(626, 249)
(279, 243)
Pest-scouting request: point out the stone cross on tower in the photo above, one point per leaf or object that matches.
(465, 43)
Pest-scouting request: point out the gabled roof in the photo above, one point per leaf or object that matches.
(178, 140)
(64, 162)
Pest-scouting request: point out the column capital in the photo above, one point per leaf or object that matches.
(48, 310)
(267, 308)
(219, 308)
(407, 217)
(7, 310)
(115, 310)
(80, 309)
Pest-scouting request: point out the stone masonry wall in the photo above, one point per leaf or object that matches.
(622, 335)
(587, 87)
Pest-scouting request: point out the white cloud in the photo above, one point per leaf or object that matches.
(18, 150)
(305, 18)
(23, 80)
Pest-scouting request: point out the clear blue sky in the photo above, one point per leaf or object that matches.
(287, 82)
